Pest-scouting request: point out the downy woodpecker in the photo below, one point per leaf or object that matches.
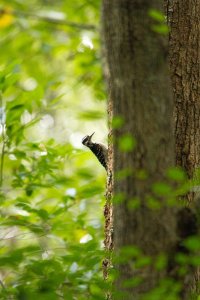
(99, 150)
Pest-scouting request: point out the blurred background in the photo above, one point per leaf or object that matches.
(52, 187)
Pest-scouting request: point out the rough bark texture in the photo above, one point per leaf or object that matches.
(184, 21)
(108, 208)
(140, 92)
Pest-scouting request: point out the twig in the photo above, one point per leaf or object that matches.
(2, 285)
(41, 17)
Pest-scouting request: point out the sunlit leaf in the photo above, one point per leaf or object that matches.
(6, 17)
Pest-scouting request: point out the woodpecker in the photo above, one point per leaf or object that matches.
(99, 150)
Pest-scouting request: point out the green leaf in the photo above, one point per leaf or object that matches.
(156, 15)
(162, 189)
(117, 122)
(192, 243)
(176, 174)
(153, 203)
(161, 262)
(126, 143)
(161, 29)
(91, 115)
(132, 282)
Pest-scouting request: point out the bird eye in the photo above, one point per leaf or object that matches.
(85, 139)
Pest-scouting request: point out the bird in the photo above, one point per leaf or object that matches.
(100, 150)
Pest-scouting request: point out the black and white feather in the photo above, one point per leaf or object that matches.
(99, 150)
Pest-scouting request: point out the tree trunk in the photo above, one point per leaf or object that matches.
(184, 52)
(140, 92)
(183, 17)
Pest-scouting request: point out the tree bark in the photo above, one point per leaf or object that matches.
(140, 93)
(184, 53)
(183, 17)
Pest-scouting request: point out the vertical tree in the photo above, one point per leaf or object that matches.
(184, 53)
(139, 89)
(184, 48)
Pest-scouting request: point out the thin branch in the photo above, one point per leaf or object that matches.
(2, 285)
(21, 234)
(41, 17)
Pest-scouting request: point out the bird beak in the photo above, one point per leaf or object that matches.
(91, 136)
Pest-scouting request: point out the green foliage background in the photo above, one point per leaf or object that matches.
(52, 94)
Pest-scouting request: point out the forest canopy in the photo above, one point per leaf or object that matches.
(52, 95)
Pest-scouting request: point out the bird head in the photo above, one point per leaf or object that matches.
(87, 140)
